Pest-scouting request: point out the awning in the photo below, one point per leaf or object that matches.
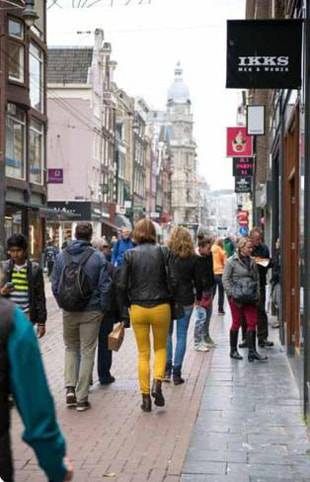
(110, 225)
(122, 221)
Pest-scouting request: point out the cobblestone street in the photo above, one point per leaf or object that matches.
(230, 421)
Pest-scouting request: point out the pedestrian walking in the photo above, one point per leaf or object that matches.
(229, 246)
(183, 280)
(50, 254)
(22, 376)
(23, 282)
(204, 295)
(81, 285)
(120, 248)
(241, 283)
(219, 260)
(144, 287)
(261, 254)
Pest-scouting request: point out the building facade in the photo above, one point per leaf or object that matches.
(23, 122)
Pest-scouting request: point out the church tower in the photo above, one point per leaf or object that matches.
(183, 151)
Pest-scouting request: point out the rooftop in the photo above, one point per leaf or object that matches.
(69, 65)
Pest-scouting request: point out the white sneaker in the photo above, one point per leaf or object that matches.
(201, 347)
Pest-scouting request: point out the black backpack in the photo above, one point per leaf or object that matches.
(75, 287)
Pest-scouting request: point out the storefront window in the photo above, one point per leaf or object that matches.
(15, 143)
(16, 51)
(36, 152)
(36, 77)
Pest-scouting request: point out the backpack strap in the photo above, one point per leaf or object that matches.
(6, 310)
(88, 253)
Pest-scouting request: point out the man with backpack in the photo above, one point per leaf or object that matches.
(82, 286)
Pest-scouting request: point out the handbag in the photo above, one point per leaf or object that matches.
(116, 337)
(244, 291)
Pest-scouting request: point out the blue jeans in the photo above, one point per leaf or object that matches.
(182, 328)
(202, 323)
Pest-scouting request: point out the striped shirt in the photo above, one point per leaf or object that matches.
(20, 294)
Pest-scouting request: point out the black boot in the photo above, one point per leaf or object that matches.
(146, 403)
(253, 355)
(157, 393)
(243, 344)
(177, 379)
(168, 372)
(233, 346)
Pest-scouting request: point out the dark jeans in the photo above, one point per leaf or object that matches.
(50, 265)
(219, 285)
(182, 325)
(104, 361)
(262, 320)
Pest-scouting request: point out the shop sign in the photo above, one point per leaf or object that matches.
(239, 144)
(55, 176)
(243, 184)
(264, 54)
(243, 166)
(79, 211)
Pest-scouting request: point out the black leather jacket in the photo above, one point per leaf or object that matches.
(143, 276)
(184, 277)
(37, 300)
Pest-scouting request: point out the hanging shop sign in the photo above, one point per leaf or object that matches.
(255, 120)
(55, 176)
(243, 166)
(243, 184)
(264, 54)
(239, 144)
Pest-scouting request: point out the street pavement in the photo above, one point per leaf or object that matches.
(230, 421)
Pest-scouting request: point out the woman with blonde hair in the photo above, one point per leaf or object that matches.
(241, 283)
(183, 280)
(144, 286)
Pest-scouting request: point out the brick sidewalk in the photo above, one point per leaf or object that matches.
(115, 439)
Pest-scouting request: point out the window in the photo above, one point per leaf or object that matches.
(36, 77)
(36, 152)
(16, 51)
(15, 143)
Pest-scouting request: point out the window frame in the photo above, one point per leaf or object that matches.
(41, 59)
(42, 164)
(18, 41)
(24, 124)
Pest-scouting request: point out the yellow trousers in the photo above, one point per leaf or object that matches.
(142, 319)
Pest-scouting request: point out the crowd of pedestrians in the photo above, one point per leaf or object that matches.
(155, 289)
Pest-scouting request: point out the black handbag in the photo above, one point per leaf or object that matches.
(244, 291)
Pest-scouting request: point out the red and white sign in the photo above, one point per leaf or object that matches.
(243, 218)
(239, 144)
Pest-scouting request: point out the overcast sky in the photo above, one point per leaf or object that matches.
(147, 41)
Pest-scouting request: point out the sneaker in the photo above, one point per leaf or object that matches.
(201, 347)
(82, 406)
(107, 380)
(209, 342)
(70, 397)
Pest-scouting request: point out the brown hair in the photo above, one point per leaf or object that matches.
(205, 242)
(220, 242)
(84, 231)
(181, 243)
(144, 232)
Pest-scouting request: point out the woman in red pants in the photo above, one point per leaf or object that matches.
(241, 283)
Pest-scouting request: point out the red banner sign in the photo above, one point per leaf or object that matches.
(239, 144)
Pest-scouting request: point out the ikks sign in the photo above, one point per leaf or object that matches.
(264, 54)
(239, 144)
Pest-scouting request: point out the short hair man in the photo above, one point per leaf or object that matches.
(26, 381)
(23, 282)
(120, 248)
(261, 251)
(81, 326)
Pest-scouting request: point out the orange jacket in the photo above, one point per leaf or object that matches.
(219, 259)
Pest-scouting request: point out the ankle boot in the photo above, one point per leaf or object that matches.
(157, 393)
(233, 346)
(177, 379)
(168, 372)
(146, 403)
(253, 354)
(243, 344)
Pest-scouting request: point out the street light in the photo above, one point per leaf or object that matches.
(29, 13)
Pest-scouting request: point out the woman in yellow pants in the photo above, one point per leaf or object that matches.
(143, 283)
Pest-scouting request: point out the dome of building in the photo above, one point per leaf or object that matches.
(178, 91)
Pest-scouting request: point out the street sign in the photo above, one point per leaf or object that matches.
(243, 166)
(243, 184)
(255, 120)
(55, 176)
(239, 144)
(264, 54)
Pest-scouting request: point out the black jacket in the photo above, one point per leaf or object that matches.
(262, 251)
(184, 278)
(205, 274)
(37, 300)
(142, 279)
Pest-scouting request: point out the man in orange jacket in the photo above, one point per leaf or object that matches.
(219, 260)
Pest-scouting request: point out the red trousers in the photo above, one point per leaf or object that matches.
(248, 312)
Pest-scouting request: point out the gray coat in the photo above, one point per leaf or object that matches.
(236, 269)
